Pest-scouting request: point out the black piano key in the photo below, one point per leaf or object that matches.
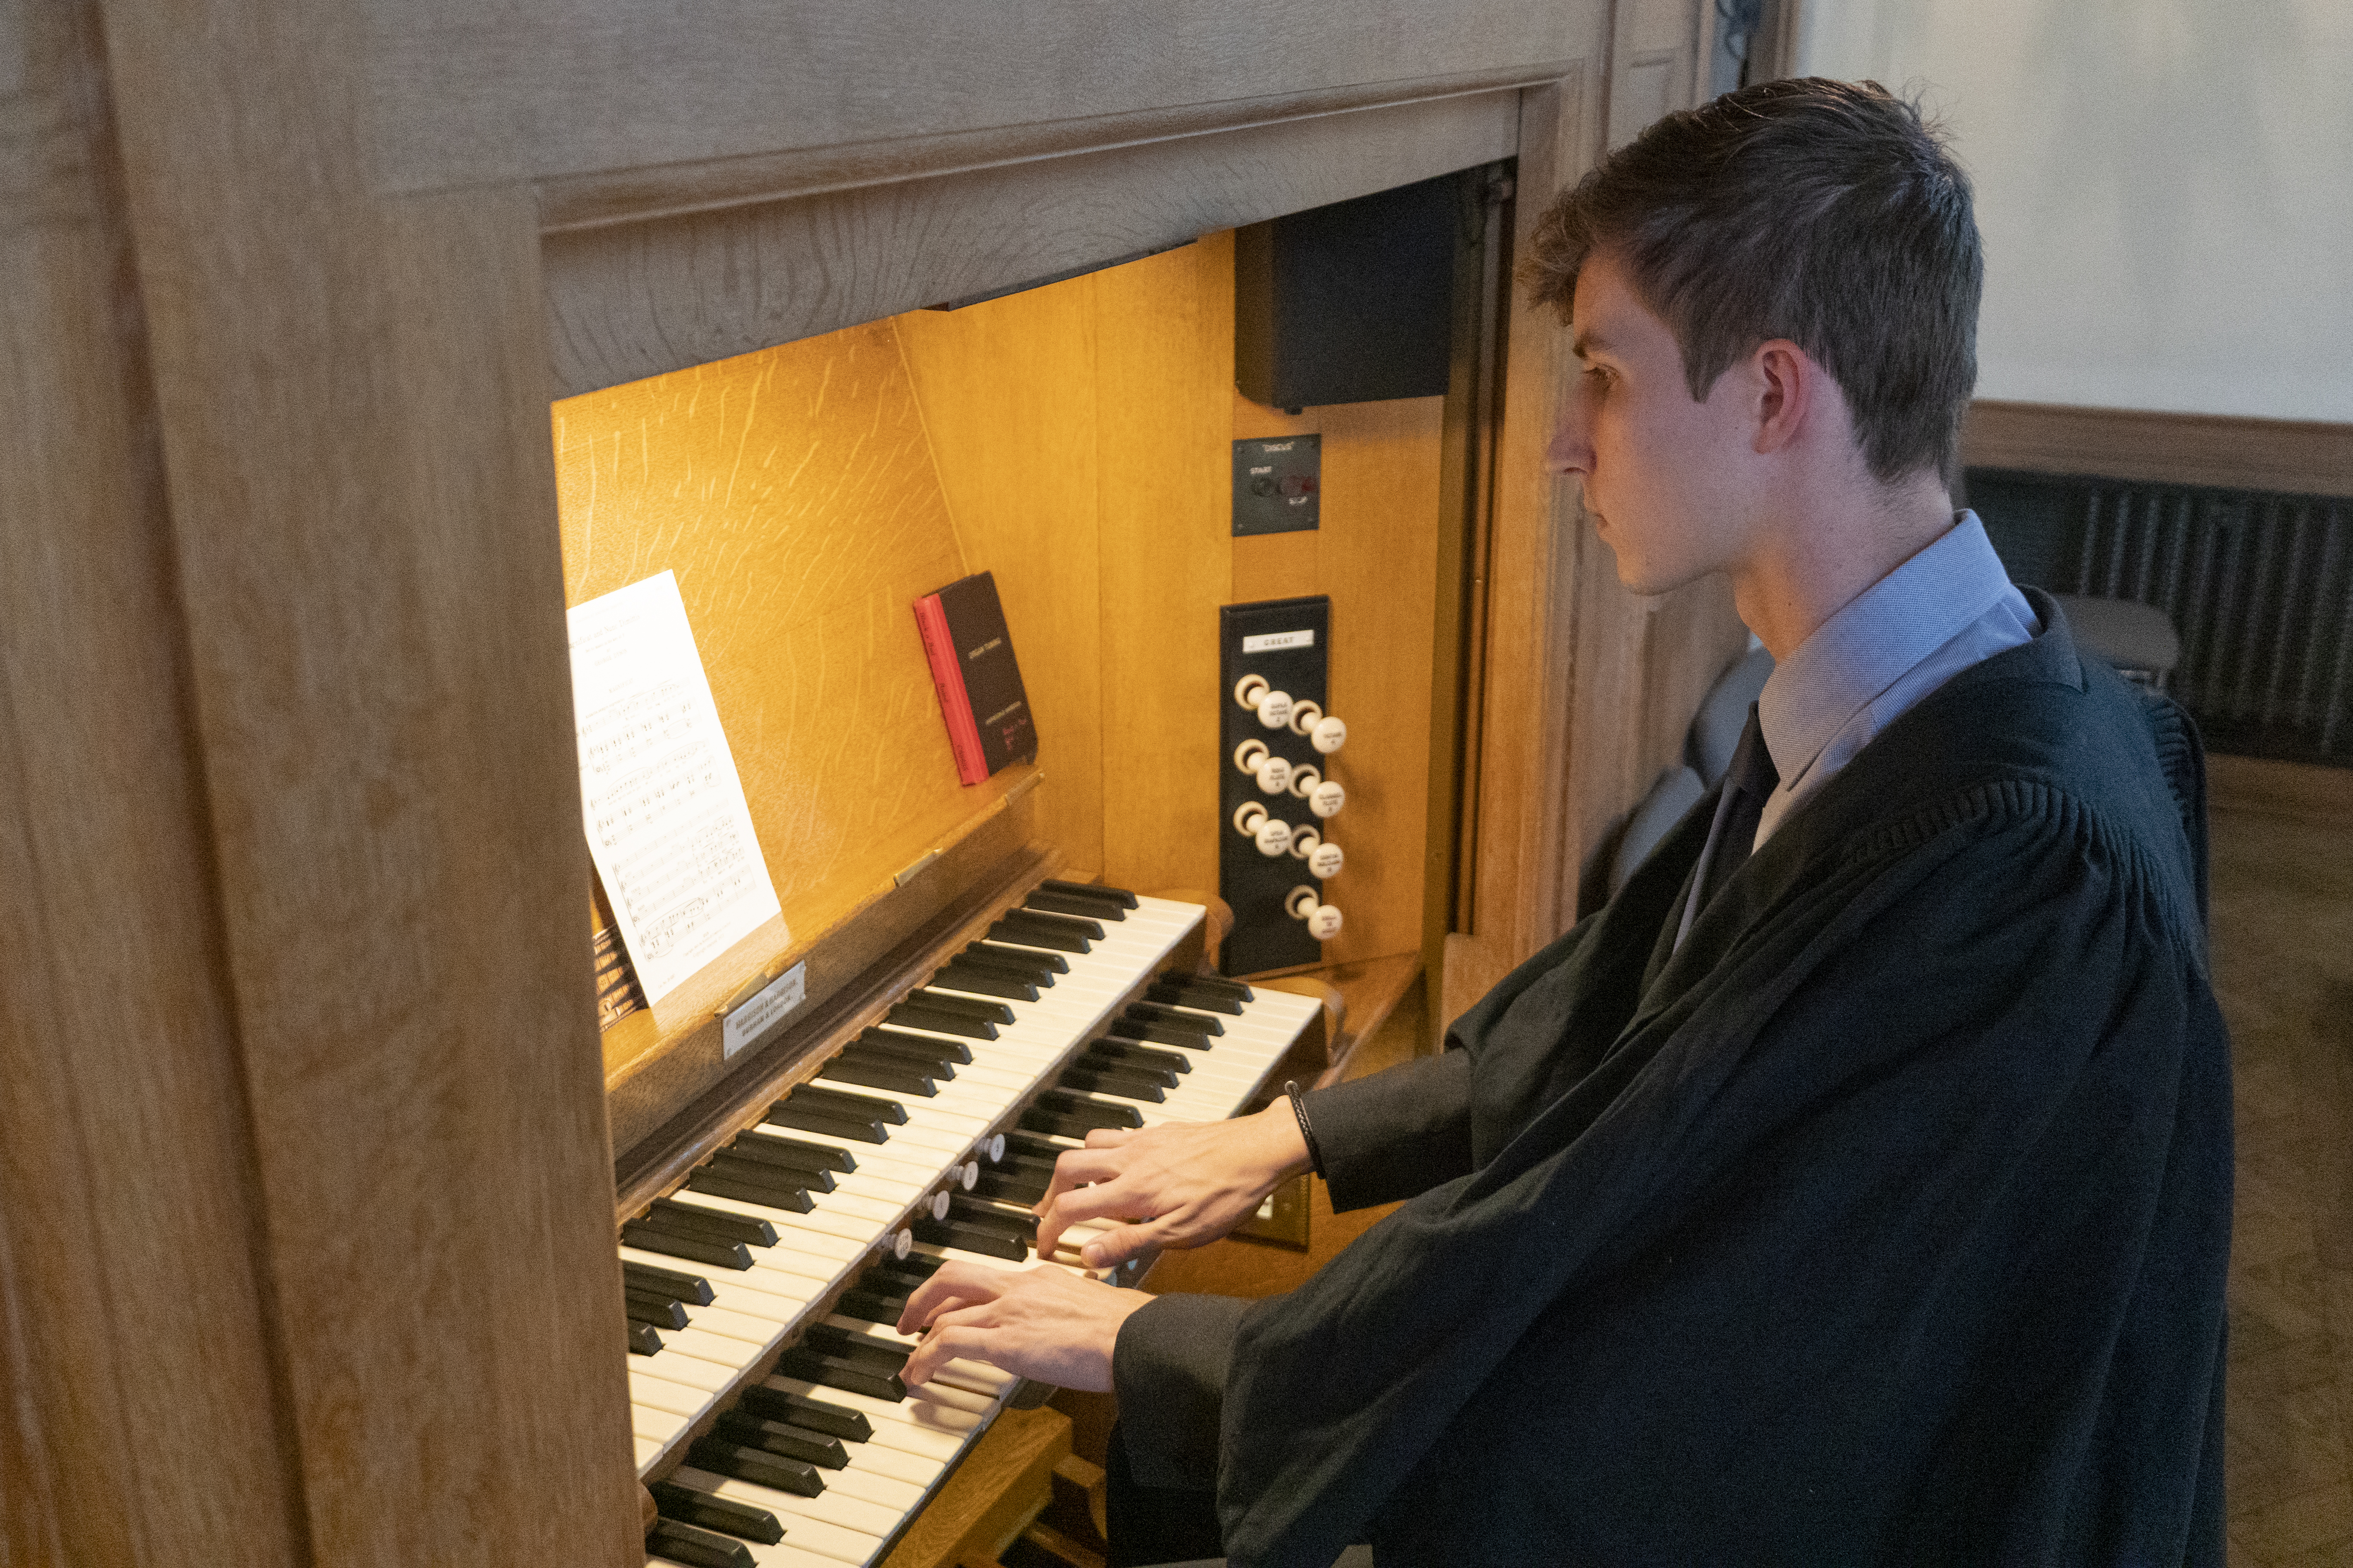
(781, 1437)
(771, 1149)
(965, 1208)
(1175, 1018)
(969, 1007)
(670, 1213)
(1142, 1055)
(1118, 897)
(1077, 925)
(643, 1340)
(849, 1107)
(800, 1410)
(1118, 1083)
(1030, 1149)
(900, 1273)
(881, 1039)
(868, 1349)
(662, 1311)
(845, 1372)
(1159, 1034)
(916, 1016)
(872, 1306)
(722, 1457)
(1024, 962)
(700, 1249)
(1168, 996)
(748, 1184)
(1026, 1191)
(973, 978)
(802, 1118)
(1163, 1012)
(1204, 985)
(1073, 1125)
(906, 1058)
(898, 1077)
(697, 1547)
(725, 1515)
(1008, 929)
(1063, 904)
(970, 1238)
(1071, 1103)
(691, 1288)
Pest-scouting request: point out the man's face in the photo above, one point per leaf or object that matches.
(1661, 471)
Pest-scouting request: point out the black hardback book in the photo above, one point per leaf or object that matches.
(992, 679)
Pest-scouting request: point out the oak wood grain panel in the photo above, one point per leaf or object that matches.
(1374, 553)
(633, 300)
(141, 1422)
(792, 494)
(1008, 390)
(1165, 463)
(363, 509)
(463, 93)
(2301, 457)
(632, 195)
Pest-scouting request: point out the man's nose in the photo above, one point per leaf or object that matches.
(1571, 450)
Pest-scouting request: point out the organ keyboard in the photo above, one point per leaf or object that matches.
(762, 1285)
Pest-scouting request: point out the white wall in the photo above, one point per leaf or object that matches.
(2165, 188)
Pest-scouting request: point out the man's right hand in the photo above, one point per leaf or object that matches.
(1180, 1184)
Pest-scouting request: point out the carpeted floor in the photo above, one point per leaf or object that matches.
(2283, 930)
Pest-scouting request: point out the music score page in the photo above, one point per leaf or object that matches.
(668, 826)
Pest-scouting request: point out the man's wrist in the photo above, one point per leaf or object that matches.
(1283, 1145)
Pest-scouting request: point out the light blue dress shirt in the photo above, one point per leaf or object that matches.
(1948, 607)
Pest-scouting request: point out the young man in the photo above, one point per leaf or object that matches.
(1855, 1188)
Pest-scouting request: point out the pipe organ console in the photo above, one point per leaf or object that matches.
(765, 1258)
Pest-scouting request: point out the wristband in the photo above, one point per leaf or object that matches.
(1306, 1131)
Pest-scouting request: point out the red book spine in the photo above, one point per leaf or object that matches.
(947, 679)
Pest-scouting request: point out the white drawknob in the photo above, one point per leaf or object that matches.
(1247, 817)
(1303, 715)
(995, 1148)
(1324, 860)
(1329, 734)
(1304, 841)
(903, 1244)
(1249, 690)
(1322, 920)
(1273, 836)
(940, 1203)
(1249, 754)
(1274, 774)
(970, 1176)
(1326, 798)
(1303, 780)
(1274, 709)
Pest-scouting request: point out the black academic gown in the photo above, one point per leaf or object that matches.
(1886, 1222)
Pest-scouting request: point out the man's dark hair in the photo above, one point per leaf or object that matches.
(1824, 212)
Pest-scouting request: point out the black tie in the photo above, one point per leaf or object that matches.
(1749, 783)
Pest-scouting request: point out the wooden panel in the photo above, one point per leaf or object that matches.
(634, 300)
(466, 94)
(1374, 553)
(1008, 393)
(792, 494)
(141, 1422)
(1165, 467)
(2296, 456)
(364, 523)
(1655, 64)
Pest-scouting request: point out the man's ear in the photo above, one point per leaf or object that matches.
(1784, 376)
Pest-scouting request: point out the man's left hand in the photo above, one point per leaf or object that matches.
(1044, 1322)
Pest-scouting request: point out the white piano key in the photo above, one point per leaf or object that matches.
(871, 1487)
(656, 1426)
(918, 1426)
(648, 1450)
(659, 1392)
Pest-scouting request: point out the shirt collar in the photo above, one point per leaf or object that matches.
(1874, 640)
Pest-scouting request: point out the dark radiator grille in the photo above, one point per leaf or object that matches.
(2259, 586)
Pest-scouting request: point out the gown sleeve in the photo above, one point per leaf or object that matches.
(1395, 1133)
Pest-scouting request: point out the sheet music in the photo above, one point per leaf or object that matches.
(666, 824)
